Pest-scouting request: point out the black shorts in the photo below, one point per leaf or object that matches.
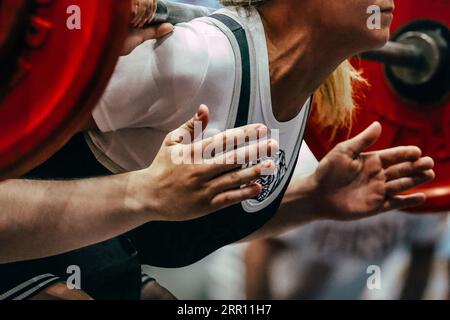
(109, 270)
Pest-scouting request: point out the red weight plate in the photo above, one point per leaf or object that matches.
(59, 74)
(427, 127)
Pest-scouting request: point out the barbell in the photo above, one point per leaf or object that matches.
(52, 75)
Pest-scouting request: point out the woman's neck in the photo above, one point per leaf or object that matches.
(301, 55)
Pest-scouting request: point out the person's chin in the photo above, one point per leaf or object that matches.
(379, 39)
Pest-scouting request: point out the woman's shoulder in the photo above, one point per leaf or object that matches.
(193, 44)
(197, 33)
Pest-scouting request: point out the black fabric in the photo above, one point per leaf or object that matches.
(241, 38)
(178, 244)
(75, 160)
(110, 270)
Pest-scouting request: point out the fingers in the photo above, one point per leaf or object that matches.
(239, 178)
(209, 153)
(232, 197)
(397, 155)
(237, 158)
(408, 169)
(233, 138)
(364, 140)
(401, 185)
(191, 129)
(138, 36)
(156, 32)
(404, 202)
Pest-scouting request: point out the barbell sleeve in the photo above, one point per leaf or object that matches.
(175, 13)
(398, 54)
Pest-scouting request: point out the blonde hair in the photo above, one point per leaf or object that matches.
(334, 99)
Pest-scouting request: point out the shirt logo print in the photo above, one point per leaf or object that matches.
(271, 182)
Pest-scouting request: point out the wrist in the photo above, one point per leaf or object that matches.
(302, 200)
(315, 197)
(140, 195)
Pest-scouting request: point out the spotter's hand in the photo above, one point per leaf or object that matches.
(143, 12)
(354, 184)
(184, 190)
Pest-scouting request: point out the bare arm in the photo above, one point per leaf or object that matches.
(42, 218)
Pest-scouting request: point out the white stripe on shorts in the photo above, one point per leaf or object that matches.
(32, 282)
(30, 292)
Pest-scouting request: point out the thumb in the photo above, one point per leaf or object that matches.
(136, 36)
(162, 30)
(192, 128)
(365, 139)
(156, 32)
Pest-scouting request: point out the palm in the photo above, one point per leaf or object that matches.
(354, 187)
(355, 184)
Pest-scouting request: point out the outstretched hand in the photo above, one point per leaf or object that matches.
(354, 184)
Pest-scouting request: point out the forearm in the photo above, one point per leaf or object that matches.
(43, 218)
(300, 206)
